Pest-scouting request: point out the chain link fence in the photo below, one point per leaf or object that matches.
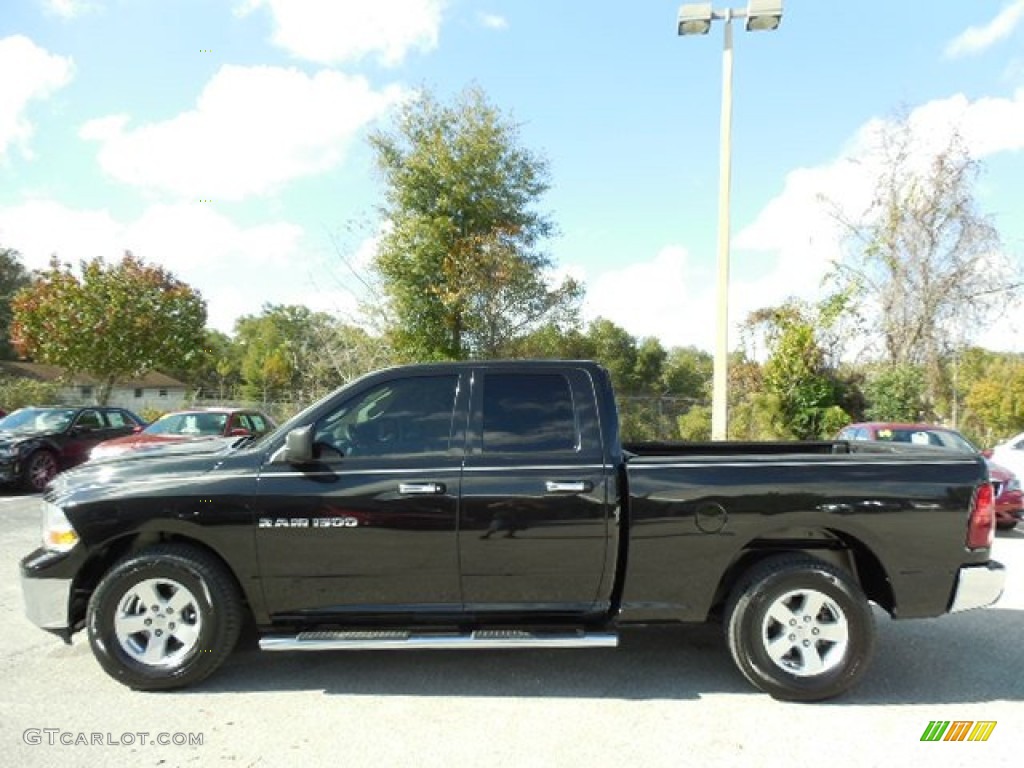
(653, 418)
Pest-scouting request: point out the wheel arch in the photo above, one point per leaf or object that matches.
(101, 560)
(839, 548)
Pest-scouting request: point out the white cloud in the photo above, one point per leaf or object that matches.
(253, 128)
(333, 31)
(68, 9)
(492, 21)
(31, 73)
(236, 268)
(798, 228)
(665, 297)
(104, 128)
(40, 228)
(673, 298)
(794, 241)
(978, 39)
(989, 125)
(181, 236)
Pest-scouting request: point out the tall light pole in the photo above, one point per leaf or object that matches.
(695, 19)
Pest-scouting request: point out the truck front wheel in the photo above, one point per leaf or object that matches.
(799, 629)
(164, 617)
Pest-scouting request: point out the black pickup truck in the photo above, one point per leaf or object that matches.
(493, 505)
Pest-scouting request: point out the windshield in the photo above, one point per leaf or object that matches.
(193, 424)
(38, 420)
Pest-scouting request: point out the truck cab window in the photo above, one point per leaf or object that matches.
(396, 418)
(528, 412)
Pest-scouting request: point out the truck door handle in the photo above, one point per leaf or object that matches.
(421, 489)
(582, 486)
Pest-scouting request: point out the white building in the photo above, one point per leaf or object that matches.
(155, 390)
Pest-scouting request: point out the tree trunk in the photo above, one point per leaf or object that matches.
(104, 390)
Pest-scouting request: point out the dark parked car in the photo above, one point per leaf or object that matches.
(1009, 499)
(37, 443)
(204, 424)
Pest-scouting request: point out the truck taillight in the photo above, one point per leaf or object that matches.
(982, 523)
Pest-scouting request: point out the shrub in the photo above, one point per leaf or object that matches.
(18, 392)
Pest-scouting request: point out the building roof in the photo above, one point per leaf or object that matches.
(56, 375)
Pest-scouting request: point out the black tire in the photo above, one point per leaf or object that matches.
(821, 655)
(192, 607)
(39, 469)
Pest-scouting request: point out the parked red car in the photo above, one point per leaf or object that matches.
(189, 426)
(1009, 498)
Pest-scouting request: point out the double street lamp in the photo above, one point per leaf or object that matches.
(695, 19)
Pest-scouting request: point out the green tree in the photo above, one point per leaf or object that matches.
(637, 369)
(922, 260)
(114, 321)
(754, 412)
(648, 371)
(221, 366)
(13, 277)
(460, 261)
(686, 382)
(17, 392)
(215, 371)
(695, 424)
(796, 372)
(291, 352)
(552, 341)
(895, 393)
(614, 348)
(687, 373)
(995, 399)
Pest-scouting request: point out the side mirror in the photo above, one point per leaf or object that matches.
(239, 432)
(298, 446)
(987, 453)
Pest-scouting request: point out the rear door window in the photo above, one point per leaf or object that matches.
(527, 412)
(89, 421)
(117, 419)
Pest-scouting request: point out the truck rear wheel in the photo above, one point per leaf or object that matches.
(164, 617)
(799, 629)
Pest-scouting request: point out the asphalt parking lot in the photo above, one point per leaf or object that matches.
(665, 698)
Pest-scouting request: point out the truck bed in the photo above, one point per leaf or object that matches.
(695, 509)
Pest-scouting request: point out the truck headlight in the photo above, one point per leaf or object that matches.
(58, 534)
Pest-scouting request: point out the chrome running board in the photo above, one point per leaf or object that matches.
(485, 639)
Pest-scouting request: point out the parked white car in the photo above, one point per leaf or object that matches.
(1010, 453)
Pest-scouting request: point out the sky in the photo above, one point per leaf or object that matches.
(226, 139)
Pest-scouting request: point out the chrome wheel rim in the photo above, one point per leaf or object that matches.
(805, 633)
(41, 470)
(158, 622)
